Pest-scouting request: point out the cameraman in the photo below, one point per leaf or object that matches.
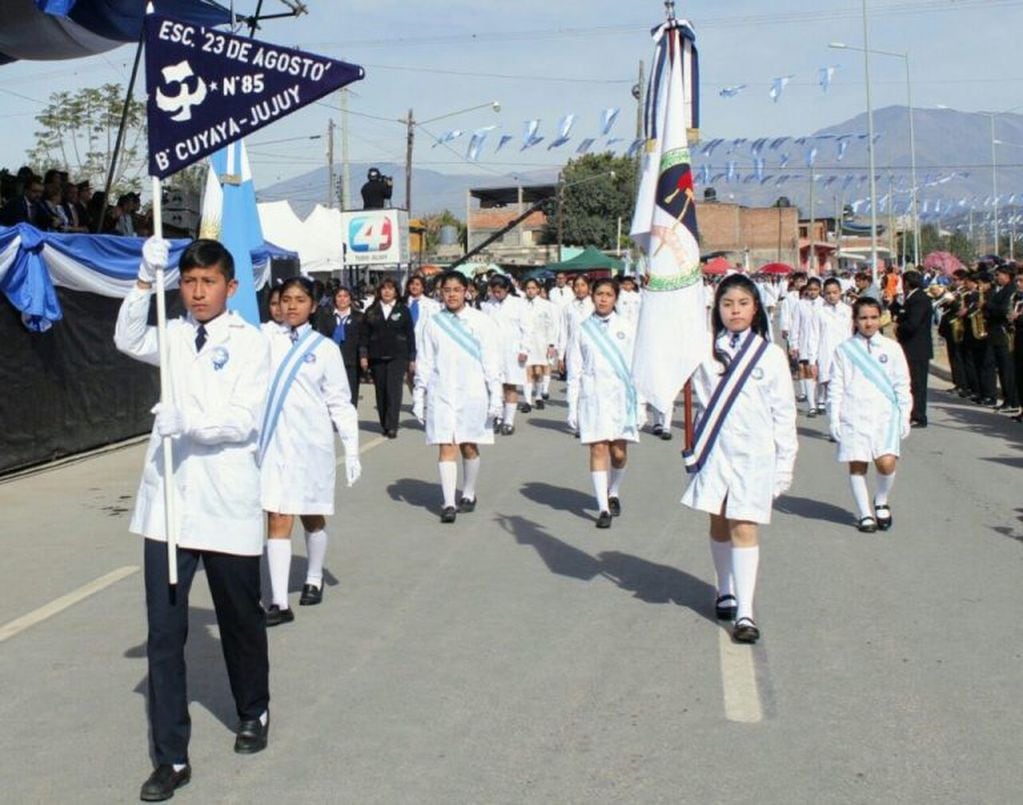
(376, 193)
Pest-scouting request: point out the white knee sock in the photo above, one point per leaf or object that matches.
(884, 489)
(811, 392)
(278, 557)
(537, 390)
(448, 481)
(616, 481)
(316, 548)
(721, 552)
(858, 484)
(470, 472)
(509, 413)
(545, 385)
(744, 571)
(600, 489)
(822, 395)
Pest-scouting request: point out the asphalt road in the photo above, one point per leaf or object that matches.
(521, 655)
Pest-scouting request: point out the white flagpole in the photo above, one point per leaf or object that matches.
(169, 504)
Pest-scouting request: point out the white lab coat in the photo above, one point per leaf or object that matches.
(868, 425)
(221, 393)
(571, 314)
(543, 324)
(803, 335)
(298, 467)
(786, 313)
(757, 442)
(628, 305)
(560, 296)
(596, 395)
(509, 316)
(458, 387)
(427, 307)
(834, 325)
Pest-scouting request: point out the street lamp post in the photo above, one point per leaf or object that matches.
(914, 210)
(410, 126)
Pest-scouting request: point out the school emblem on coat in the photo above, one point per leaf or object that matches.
(310, 358)
(883, 359)
(757, 373)
(621, 335)
(220, 358)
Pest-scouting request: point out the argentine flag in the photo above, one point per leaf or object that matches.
(229, 215)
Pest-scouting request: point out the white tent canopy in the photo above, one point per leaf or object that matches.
(317, 239)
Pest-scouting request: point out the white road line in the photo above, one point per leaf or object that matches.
(58, 605)
(363, 449)
(739, 677)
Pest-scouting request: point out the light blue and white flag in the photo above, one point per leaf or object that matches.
(731, 92)
(783, 161)
(505, 139)
(730, 170)
(585, 145)
(448, 136)
(825, 76)
(479, 136)
(758, 168)
(778, 86)
(843, 144)
(229, 215)
(564, 128)
(811, 157)
(607, 120)
(531, 138)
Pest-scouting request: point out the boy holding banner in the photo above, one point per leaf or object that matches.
(458, 392)
(219, 367)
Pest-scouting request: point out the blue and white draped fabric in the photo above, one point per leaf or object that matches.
(731, 92)
(690, 67)
(281, 385)
(721, 401)
(825, 75)
(531, 138)
(33, 263)
(594, 327)
(455, 329)
(853, 349)
(71, 29)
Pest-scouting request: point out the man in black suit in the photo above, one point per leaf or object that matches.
(24, 209)
(914, 334)
(996, 317)
(344, 326)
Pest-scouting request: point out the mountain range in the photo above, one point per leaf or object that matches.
(953, 155)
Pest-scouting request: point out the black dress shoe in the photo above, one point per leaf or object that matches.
(392, 434)
(657, 430)
(545, 396)
(465, 505)
(868, 525)
(251, 736)
(163, 781)
(884, 516)
(507, 430)
(918, 424)
(665, 435)
(604, 520)
(275, 616)
(614, 505)
(989, 401)
(725, 607)
(745, 631)
(525, 408)
(311, 595)
(448, 515)
(540, 405)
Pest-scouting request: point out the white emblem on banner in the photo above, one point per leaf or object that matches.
(181, 104)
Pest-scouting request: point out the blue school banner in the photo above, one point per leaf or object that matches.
(208, 89)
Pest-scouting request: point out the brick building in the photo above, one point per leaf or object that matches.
(488, 209)
(753, 235)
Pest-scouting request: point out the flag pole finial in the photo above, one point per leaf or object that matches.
(669, 9)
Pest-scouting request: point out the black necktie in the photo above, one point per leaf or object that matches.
(293, 335)
(200, 337)
(733, 342)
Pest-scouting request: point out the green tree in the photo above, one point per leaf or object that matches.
(962, 247)
(435, 222)
(593, 201)
(78, 131)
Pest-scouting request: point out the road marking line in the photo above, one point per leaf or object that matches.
(364, 449)
(60, 604)
(742, 696)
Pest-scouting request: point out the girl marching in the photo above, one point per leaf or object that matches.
(602, 401)
(458, 389)
(543, 323)
(869, 405)
(834, 325)
(744, 445)
(308, 394)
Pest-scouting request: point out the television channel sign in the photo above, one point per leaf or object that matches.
(375, 237)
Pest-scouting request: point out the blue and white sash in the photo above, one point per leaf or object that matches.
(455, 328)
(609, 349)
(721, 401)
(853, 349)
(281, 385)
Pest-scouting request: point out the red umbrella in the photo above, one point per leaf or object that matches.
(945, 262)
(719, 265)
(775, 268)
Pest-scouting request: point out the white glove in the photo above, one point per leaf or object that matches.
(419, 407)
(170, 421)
(904, 433)
(836, 431)
(782, 482)
(155, 254)
(573, 421)
(353, 468)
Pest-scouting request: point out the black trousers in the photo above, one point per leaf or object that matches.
(1001, 356)
(389, 380)
(353, 380)
(918, 388)
(955, 362)
(234, 584)
(984, 365)
(1017, 358)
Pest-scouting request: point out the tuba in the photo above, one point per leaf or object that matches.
(978, 327)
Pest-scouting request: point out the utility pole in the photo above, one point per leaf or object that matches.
(809, 232)
(410, 124)
(330, 163)
(561, 212)
(346, 168)
(891, 218)
(639, 95)
(994, 180)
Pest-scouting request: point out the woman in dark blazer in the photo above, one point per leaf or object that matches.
(387, 347)
(343, 325)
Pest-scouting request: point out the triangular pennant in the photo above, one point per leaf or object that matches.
(208, 88)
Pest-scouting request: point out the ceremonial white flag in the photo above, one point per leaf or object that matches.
(672, 336)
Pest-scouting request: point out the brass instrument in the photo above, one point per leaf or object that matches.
(978, 327)
(957, 329)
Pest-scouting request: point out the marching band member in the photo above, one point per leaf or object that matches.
(869, 406)
(744, 446)
(602, 401)
(308, 395)
(509, 314)
(458, 391)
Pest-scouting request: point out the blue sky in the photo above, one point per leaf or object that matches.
(544, 58)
